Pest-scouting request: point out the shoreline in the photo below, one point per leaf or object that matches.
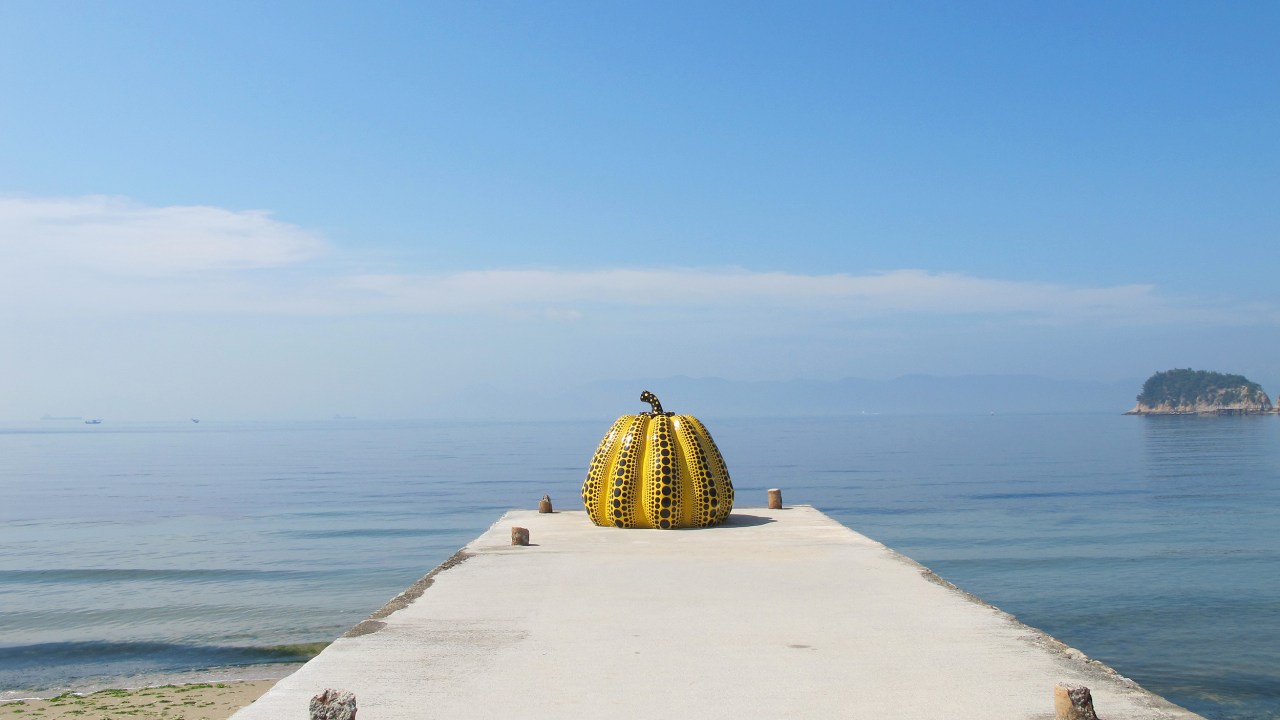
(189, 701)
(266, 673)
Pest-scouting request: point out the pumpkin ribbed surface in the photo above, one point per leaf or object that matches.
(657, 470)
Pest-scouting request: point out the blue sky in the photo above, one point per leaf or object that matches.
(295, 209)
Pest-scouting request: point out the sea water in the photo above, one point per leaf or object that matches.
(135, 551)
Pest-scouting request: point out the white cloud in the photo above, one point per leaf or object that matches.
(900, 292)
(119, 237)
(110, 255)
(210, 305)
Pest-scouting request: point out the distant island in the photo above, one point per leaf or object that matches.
(1200, 392)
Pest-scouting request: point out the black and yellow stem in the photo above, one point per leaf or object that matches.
(652, 399)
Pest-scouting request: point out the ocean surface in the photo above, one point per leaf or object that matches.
(137, 551)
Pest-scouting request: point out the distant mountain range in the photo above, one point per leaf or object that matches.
(717, 397)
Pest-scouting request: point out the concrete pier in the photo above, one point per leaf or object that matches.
(777, 614)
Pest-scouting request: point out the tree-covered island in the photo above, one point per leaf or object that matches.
(1200, 392)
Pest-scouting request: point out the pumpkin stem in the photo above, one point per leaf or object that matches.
(652, 399)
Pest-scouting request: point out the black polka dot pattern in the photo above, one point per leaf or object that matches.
(594, 496)
(661, 494)
(720, 494)
(657, 470)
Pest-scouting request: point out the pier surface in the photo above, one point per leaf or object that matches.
(777, 614)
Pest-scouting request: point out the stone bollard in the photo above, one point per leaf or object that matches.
(775, 499)
(333, 704)
(519, 536)
(1073, 702)
(544, 505)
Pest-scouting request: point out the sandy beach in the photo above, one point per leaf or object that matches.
(196, 701)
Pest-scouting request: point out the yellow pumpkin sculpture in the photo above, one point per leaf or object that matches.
(657, 470)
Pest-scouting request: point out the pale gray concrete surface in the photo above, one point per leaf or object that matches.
(777, 614)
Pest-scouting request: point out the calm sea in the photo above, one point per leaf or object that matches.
(133, 551)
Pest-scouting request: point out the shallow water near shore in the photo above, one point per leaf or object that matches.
(149, 550)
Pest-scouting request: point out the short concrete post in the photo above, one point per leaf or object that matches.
(519, 536)
(1073, 702)
(333, 704)
(544, 505)
(775, 499)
